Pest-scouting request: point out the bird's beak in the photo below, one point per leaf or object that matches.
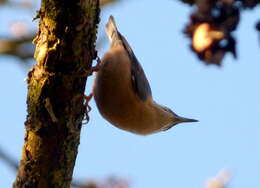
(185, 120)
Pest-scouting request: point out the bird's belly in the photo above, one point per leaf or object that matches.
(120, 106)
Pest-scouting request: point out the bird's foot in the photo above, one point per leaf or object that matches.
(88, 108)
(95, 68)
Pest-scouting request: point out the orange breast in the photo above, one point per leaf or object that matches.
(115, 97)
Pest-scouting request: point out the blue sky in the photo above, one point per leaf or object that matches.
(225, 100)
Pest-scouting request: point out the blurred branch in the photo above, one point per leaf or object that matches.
(21, 4)
(7, 158)
(258, 28)
(22, 47)
(19, 47)
(106, 2)
(111, 182)
(220, 180)
(84, 185)
(28, 4)
(3, 1)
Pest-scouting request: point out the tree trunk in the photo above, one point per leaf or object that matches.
(65, 48)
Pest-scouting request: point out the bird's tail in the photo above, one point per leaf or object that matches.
(112, 31)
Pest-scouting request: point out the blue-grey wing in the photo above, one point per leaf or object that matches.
(139, 80)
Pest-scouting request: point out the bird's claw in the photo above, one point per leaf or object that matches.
(97, 67)
(93, 69)
(88, 108)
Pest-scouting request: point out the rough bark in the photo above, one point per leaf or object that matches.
(65, 48)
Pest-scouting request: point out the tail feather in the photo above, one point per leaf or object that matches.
(112, 31)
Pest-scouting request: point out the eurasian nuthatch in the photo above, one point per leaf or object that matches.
(123, 94)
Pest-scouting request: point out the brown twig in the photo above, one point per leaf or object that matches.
(16, 46)
(106, 2)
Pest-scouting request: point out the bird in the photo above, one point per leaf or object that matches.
(123, 94)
